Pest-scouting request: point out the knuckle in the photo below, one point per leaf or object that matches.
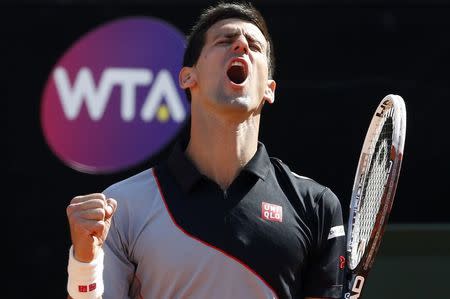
(100, 196)
(69, 210)
(94, 214)
(100, 226)
(101, 212)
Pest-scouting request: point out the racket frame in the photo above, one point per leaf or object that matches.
(357, 272)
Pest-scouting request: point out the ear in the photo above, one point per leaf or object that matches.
(186, 77)
(269, 92)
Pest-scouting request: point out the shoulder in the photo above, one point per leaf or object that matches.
(138, 198)
(131, 185)
(312, 192)
(140, 190)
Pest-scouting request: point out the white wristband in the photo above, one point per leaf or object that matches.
(85, 280)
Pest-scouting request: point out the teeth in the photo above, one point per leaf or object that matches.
(238, 63)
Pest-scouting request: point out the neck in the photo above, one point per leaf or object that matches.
(220, 148)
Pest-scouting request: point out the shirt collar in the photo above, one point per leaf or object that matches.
(187, 174)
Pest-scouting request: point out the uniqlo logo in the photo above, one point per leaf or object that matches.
(87, 288)
(271, 212)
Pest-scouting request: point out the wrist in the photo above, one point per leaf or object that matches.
(85, 279)
(85, 252)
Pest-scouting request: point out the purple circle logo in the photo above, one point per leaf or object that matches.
(113, 100)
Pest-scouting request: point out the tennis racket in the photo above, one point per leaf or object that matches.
(374, 190)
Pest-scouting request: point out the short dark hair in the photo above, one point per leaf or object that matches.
(225, 10)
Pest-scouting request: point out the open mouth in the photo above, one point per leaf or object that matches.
(237, 72)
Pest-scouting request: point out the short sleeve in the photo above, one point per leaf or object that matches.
(325, 269)
(118, 271)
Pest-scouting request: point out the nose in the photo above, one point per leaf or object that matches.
(240, 45)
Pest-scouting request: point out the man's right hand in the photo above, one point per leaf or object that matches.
(89, 219)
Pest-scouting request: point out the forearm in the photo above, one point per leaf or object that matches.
(68, 297)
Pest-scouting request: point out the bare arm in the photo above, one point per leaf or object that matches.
(89, 218)
(68, 297)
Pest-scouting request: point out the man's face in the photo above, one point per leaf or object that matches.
(232, 70)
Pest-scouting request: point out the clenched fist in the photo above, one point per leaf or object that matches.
(89, 219)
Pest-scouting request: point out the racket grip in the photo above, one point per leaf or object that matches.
(353, 286)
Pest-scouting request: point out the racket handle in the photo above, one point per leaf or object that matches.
(353, 287)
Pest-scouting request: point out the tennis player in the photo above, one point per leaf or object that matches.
(219, 218)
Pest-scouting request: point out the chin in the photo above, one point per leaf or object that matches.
(242, 102)
(235, 101)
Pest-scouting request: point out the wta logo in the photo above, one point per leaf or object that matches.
(113, 100)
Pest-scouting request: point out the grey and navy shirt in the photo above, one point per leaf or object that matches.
(177, 234)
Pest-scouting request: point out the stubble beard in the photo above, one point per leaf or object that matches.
(233, 101)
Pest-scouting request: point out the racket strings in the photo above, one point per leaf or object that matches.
(374, 181)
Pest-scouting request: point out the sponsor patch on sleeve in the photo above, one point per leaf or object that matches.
(336, 231)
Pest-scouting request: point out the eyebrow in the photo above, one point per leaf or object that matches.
(232, 33)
